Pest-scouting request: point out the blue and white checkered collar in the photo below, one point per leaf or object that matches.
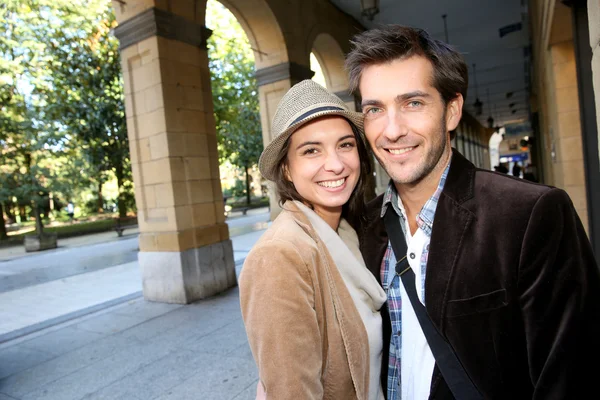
(425, 216)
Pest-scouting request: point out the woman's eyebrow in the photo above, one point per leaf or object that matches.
(308, 144)
(346, 137)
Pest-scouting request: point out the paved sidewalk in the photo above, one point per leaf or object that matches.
(36, 307)
(93, 336)
(29, 309)
(136, 351)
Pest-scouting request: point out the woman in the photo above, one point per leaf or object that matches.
(310, 306)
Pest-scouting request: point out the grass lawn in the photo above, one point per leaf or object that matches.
(69, 230)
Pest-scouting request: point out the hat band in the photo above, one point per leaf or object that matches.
(314, 111)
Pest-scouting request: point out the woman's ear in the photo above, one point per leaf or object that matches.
(286, 172)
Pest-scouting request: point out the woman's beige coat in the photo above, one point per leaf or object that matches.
(306, 335)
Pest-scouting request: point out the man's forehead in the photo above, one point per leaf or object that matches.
(397, 77)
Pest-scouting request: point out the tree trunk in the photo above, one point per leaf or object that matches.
(39, 225)
(247, 186)
(22, 213)
(121, 199)
(100, 203)
(3, 234)
(8, 211)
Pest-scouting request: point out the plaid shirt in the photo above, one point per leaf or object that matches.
(391, 282)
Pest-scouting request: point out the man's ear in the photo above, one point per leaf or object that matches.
(454, 112)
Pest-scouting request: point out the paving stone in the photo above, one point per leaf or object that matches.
(222, 341)
(221, 378)
(92, 378)
(146, 309)
(197, 324)
(158, 325)
(63, 340)
(242, 351)
(39, 376)
(110, 323)
(247, 394)
(156, 378)
(17, 358)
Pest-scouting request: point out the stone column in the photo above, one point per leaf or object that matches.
(185, 250)
(594, 25)
(273, 84)
(568, 166)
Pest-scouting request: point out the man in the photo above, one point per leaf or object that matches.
(503, 266)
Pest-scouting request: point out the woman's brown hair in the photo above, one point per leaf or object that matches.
(353, 210)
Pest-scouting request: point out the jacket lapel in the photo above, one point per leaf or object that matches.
(373, 238)
(452, 221)
(354, 334)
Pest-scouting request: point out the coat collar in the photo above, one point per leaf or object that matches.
(461, 179)
(452, 219)
(347, 315)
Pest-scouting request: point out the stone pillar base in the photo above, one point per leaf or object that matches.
(45, 241)
(184, 277)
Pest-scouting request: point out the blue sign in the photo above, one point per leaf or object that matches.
(519, 129)
(514, 157)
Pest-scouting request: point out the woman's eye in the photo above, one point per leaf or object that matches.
(347, 145)
(309, 151)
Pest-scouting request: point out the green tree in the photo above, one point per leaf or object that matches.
(62, 121)
(235, 91)
(24, 135)
(90, 103)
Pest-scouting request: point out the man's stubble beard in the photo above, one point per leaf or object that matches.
(431, 159)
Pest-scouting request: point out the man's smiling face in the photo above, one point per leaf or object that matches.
(406, 121)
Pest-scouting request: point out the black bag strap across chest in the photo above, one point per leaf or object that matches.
(452, 370)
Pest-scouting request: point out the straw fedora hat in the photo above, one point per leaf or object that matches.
(304, 102)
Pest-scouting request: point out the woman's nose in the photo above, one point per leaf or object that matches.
(333, 163)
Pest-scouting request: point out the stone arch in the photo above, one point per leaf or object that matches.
(331, 58)
(263, 31)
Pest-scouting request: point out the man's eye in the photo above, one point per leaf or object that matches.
(372, 110)
(415, 103)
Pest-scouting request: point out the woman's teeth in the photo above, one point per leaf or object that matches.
(332, 184)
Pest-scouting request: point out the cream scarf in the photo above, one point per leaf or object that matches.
(364, 289)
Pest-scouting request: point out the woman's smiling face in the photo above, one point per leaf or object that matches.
(323, 163)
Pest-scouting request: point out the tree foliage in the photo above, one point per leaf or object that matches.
(235, 91)
(62, 122)
(90, 105)
(26, 135)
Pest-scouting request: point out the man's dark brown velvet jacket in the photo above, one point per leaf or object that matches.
(511, 283)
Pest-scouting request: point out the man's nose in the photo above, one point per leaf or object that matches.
(395, 127)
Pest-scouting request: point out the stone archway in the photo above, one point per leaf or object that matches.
(331, 59)
(274, 73)
(185, 250)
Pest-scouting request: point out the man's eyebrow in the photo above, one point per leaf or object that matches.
(308, 144)
(400, 98)
(365, 103)
(411, 95)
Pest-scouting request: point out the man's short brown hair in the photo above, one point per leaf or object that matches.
(392, 42)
